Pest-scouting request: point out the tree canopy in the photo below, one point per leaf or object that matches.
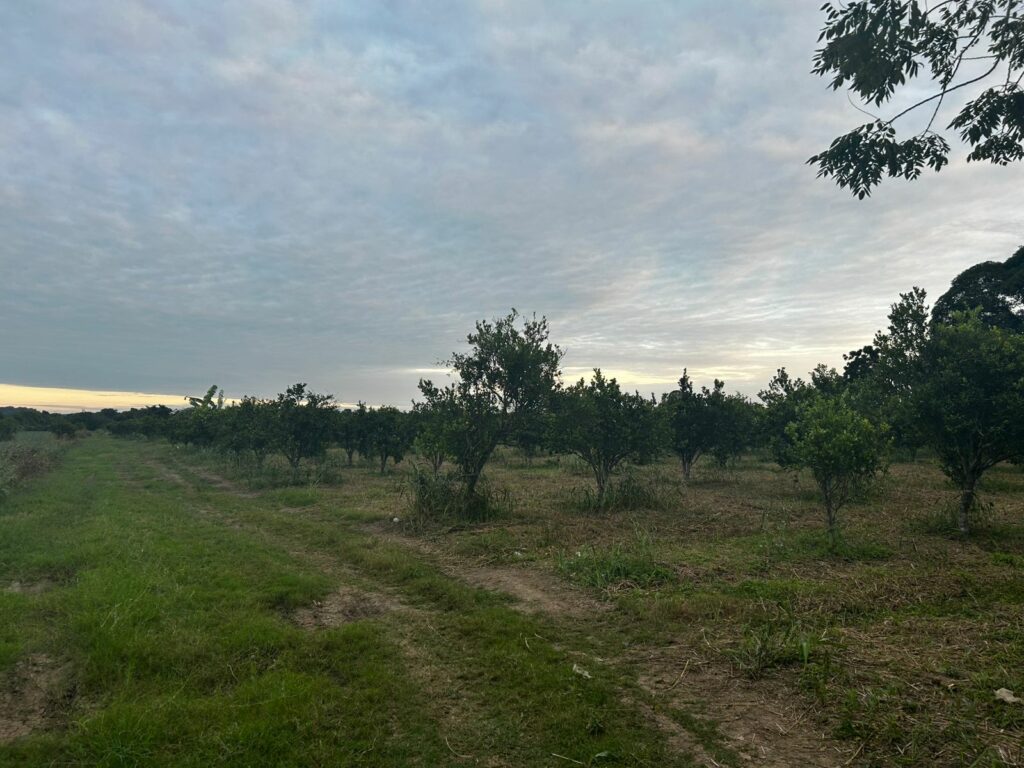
(840, 447)
(706, 421)
(875, 48)
(994, 288)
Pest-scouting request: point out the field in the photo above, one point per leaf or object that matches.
(157, 610)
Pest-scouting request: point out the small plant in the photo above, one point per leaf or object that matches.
(764, 647)
(777, 641)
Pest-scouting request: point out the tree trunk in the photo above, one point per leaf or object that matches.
(383, 462)
(350, 451)
(687, 469)
(602, 482)
(471, 481)
(964, 511)
(831, 524)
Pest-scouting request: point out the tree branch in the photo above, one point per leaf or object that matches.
(942, 94)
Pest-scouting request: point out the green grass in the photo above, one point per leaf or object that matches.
(179, 649)
(294, 497)
(168, 609)
(614, 567)
(168, 601)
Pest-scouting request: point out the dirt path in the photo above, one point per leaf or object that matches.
(347, 603)
(222, 483)
(534, 591)
(219, 482)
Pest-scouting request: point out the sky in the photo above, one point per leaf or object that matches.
(256, 193)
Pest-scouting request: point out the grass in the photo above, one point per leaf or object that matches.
(165, 601)
(169, 616)
(630, 493)
(903, 601)
(631, 565)
(439, 499)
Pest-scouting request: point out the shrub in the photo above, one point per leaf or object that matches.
(20, 461)
(63, 430)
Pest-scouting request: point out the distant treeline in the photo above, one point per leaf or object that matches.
(16, 419)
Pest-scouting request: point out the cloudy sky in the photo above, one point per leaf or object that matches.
(258, 192)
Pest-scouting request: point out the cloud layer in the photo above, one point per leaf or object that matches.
(259, 192)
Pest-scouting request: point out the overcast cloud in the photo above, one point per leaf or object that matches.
(255, 193)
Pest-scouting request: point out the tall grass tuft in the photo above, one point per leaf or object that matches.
(628, 565)
(631, 493)
(442, 497)
(781, 640)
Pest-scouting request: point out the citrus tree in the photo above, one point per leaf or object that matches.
(841, 447)
(604, 426)
(970, 401)
(508, 375)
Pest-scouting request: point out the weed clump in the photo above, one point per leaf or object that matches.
(781, 640)
(630, 494)
(436, 497)
(631, 565)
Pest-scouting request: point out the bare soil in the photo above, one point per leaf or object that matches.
(760, 721)
(29, 694)
(29, 587)
(535, 592)
(340, 607)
